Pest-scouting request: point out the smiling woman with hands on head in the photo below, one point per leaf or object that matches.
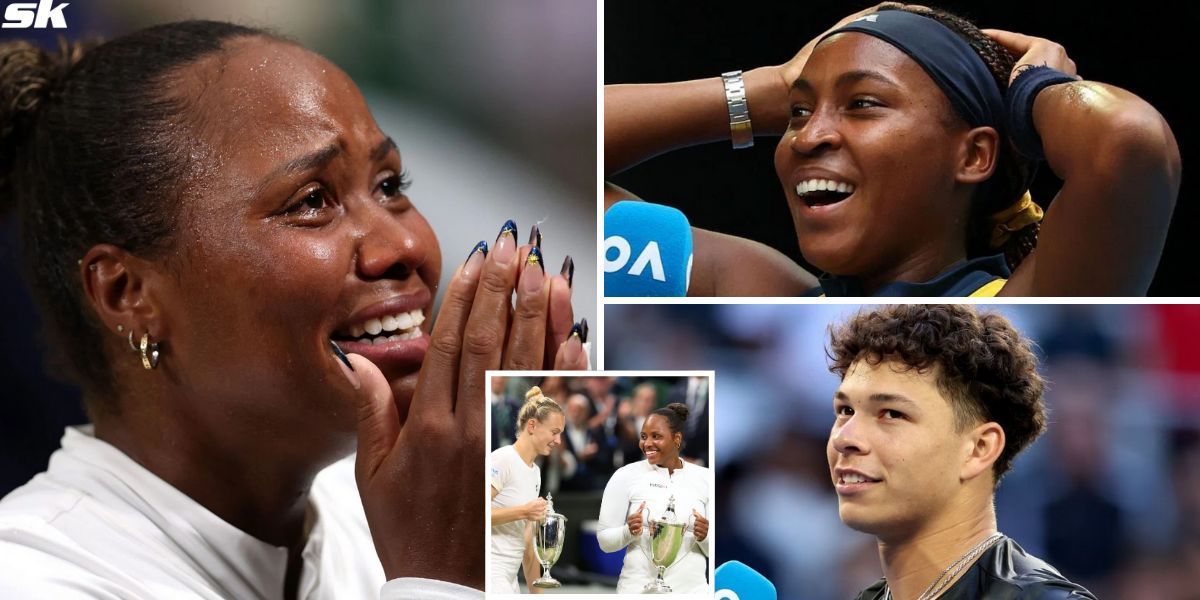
(909, 138)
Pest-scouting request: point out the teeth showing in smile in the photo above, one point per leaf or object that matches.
(400, 326)
(849, 478)
(823, 185)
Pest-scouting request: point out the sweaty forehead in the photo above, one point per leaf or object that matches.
(264, 92)
(854, 51)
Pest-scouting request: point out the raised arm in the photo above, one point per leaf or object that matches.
(644, 120)
(1103, 234)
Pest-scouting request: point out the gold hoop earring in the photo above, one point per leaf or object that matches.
(149, 352)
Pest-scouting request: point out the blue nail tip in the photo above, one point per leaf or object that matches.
(337, 351)
(509, 227)
(481, 247)
(535, 258)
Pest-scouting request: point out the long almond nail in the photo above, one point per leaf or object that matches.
(568, 270)
(579, 330)
(535, 272)
(535, 237)
(470, 269)
(506, 243)
(573, 348)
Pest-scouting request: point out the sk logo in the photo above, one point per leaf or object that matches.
(23, 15)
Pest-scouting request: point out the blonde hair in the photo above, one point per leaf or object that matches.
(537, 407)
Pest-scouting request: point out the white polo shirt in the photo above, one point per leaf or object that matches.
(692, 487)
(516, 483)
(96, 524)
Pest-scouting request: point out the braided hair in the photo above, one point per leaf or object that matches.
(94, 148)
(1013, 172)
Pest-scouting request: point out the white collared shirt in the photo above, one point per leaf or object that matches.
(96, 524)
(692, 487)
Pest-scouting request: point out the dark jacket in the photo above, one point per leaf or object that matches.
(1004, 572)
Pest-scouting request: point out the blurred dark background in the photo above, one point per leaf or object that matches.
(1109, 495)
(1147, 48)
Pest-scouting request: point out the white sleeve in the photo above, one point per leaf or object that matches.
(706, 483)
(43, 573)
(498, 471)
(614, 534)
(416, 588)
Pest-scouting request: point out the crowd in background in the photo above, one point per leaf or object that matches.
(604, 418)
(603, 424)
(1110, 494)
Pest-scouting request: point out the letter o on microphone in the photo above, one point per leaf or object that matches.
(726, 595)
(647, 250)
(623, 252)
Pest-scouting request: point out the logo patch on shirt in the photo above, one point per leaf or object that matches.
(495, 471)
(659, 485)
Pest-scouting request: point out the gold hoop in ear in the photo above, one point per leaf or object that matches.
(149, 351)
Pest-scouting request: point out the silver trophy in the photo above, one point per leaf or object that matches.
(664, 545)
(548, 542)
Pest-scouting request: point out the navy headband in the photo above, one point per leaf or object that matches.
(945, 56)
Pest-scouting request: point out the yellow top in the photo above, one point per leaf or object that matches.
(989, 289)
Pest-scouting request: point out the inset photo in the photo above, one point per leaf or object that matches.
(600, 483)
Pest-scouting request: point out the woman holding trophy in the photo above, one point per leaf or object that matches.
(515, 482)
(656, 509)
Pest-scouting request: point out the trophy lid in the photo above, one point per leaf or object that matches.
(550, 508)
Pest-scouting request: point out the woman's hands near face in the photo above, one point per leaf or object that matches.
(1032, 51)
(544, 315)
(415, 471)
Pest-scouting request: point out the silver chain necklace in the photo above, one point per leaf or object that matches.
(953, 570)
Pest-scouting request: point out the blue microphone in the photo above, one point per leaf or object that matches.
(736, 581)
(647, 250)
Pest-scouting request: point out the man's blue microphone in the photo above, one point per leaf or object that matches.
(736, 581)
(647, 250)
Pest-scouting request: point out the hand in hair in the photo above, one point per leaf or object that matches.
(1032, 51)
(1103, 234)
(701, 526)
